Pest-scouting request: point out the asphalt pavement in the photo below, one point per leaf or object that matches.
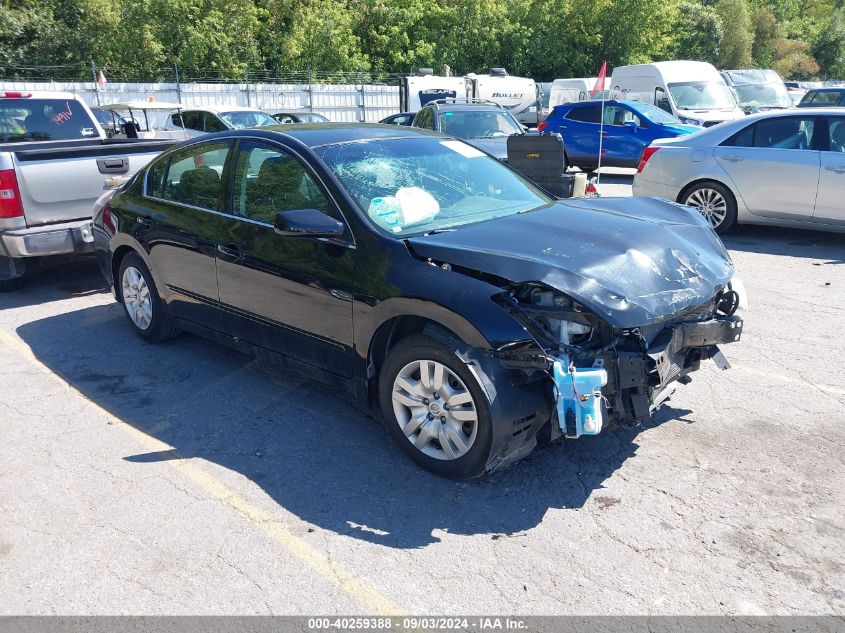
(186, 478)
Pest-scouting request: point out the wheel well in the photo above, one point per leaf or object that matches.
(391, 332)
(701, 181)
(116, 259)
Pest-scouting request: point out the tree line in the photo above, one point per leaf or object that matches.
(544, 39)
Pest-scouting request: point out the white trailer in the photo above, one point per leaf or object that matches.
(517, 94)
(417, 90)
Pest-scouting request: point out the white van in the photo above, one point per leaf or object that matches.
(692, 91)
(571, 90)
(417, 90)
(517, 94)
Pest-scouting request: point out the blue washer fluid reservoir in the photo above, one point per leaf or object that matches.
(578, 398)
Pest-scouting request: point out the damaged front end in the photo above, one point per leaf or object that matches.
(603, 375)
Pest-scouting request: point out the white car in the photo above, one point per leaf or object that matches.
(780, 168)
(205, 120)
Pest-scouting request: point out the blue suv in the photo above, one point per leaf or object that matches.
(629, 127)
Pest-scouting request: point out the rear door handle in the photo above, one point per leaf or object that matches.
(836, 170)
(144, 220)
(230, 252)
(734, 159)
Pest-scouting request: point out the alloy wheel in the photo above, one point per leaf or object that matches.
(711, 204)
(435, 410)
(136, 298)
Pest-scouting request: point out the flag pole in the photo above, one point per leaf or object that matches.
(600, 85)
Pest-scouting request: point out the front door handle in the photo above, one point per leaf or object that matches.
(230, 252)
(836, 170)
(734, 159)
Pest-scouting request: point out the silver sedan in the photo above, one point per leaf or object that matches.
(781, 168)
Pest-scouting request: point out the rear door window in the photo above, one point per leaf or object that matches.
(836, 132)
(194, 176)
(44, 120)
(585, 114)
(776, 133)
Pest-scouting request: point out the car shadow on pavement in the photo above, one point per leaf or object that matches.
(315, 455)
(828, 248)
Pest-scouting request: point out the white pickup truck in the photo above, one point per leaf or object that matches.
(54, 160)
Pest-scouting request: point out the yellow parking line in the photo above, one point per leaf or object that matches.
(344, 579)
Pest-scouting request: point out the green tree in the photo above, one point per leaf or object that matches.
(737, 34)
(698, 33)
(829, 48)
(765, 33)
(792, 59)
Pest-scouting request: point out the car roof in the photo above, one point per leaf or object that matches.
(319, 134)
(457, 107)
(220, 109)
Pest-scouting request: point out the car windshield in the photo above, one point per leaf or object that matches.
(702, 95)
(247, 118)
(773, 95)
(478, 123)
(656, 115)
(44, 120)
(417, 185)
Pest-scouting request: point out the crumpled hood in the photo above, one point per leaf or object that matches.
(498, 147)
(632, 261)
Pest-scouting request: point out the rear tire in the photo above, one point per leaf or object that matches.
(9, 285)
(13, 268)
(715, 202)
(434, 408)
(142, 304)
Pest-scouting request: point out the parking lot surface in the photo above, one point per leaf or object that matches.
(186, 478)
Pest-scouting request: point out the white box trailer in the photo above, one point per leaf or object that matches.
(417, 90)
(517, 94)
(692, 91)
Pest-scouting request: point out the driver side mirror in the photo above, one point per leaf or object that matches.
(632, 124)
(307, 223)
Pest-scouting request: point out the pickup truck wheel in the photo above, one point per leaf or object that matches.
(8, 285)
(434, 409)
(141, 302)
(13, 268)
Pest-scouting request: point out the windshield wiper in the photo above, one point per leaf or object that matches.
(436, 231)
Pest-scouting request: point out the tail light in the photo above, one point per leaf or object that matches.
(647, 153)
(542, 126)
(10, 195)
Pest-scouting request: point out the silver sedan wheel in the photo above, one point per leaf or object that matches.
(136, 298)
(435, 410)
(711, 204)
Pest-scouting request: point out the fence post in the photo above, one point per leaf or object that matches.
(363, 103)
(246, 81)
(178, 87)
(96, 83)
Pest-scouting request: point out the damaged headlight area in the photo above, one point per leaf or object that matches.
(602, 375)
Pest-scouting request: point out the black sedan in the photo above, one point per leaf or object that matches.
(420, 277)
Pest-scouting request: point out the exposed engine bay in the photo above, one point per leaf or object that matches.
(604, 375)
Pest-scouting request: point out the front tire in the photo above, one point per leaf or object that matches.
(141, 302)
(434, 408)
(715, 202)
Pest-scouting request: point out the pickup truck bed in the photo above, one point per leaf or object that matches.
(48, 187)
